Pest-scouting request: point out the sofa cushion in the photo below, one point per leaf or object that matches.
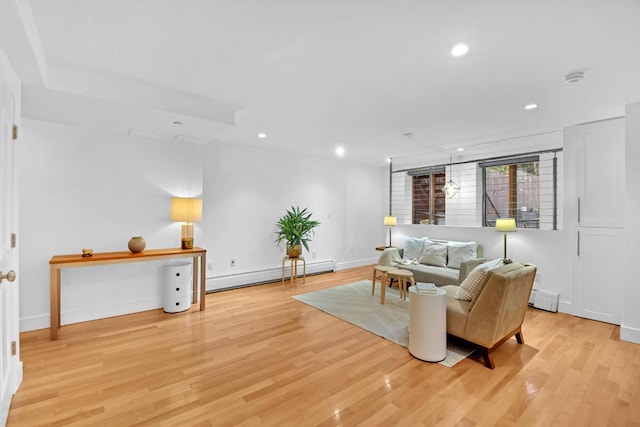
(434, 253)
(429, 274)
(413, 247)
(459, 252)
(474, 281)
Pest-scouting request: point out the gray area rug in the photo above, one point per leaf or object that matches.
(354, 303)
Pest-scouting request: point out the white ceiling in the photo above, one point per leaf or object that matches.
(317, 74)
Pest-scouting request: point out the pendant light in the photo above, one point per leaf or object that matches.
(450, 189)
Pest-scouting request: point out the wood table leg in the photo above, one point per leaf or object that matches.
(203, 280)
(195, 280)
(54, 289)
(294, 275)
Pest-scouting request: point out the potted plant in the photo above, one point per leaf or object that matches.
(296, 227)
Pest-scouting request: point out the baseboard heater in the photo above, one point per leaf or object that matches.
(251, 278)
(544, 300)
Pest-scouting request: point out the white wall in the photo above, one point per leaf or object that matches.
(81, 189)
(541, 247)
(247, 189)
(630, 328)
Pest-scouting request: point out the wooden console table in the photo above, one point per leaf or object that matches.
(58, 262)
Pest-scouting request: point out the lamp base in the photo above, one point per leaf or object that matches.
(187, 243)
(187, 235)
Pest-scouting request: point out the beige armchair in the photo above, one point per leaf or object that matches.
(496, 312)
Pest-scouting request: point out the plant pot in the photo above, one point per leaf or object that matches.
(294, 252)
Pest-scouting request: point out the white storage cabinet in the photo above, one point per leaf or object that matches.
(177, 287)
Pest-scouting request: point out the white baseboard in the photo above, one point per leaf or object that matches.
(32, 323)
(627, 333)
(68, 317)
(86, 314)
(250, 278)
(565, 307)
(358, 263)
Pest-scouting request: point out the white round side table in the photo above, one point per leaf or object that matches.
(428, 325)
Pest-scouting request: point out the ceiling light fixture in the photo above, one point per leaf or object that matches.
(460, 49)
(340, 151)
(262, 135)
(451, 188)
(532, 106)
(460, 149)
(574, 77)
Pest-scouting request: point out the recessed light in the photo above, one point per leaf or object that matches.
(262, 135)
(460, 49)
(532, 106)
(460, 149)
(340, 151)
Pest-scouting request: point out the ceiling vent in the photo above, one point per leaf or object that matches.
(574, 77)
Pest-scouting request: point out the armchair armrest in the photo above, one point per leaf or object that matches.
(467, 266)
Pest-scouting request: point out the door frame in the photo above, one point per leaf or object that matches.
(10, 97)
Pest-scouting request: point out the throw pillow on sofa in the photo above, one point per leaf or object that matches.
(413, 247)
(434, 253)
(473, 283)
(460, 252)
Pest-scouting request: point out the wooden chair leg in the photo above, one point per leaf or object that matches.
(519, 337)
(383, 279)
(486, 356)
(373, 282)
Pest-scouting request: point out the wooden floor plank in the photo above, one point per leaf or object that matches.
(256, 356)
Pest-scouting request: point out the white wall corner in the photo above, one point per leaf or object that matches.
(627, 333)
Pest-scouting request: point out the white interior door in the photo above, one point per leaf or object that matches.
(599, 276)
(10, 365)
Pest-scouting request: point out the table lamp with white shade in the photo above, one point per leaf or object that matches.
(505, 225)
(390, 221)
(187, 210)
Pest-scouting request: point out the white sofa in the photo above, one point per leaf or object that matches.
(443, 262)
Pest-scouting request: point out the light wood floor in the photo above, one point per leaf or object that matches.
(258, 357)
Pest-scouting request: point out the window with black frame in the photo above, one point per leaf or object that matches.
(512, 190)
(428, 200)
(524, 187)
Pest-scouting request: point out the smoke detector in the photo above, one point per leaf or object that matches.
(574, 77)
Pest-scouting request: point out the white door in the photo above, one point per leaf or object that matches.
(597, 218)
(599, 274)
(599, 177)
(10, 366)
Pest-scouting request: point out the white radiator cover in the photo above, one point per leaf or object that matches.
(544, 300)
(249, 278)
